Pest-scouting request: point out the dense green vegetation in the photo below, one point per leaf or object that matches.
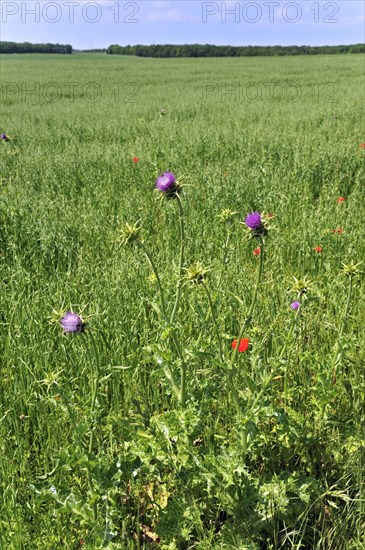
(27, 47)
(185, 50)
(97, 447)
(210, 50)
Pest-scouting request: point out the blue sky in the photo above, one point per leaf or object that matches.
(97, 24)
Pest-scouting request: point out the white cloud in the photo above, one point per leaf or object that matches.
(173, 15)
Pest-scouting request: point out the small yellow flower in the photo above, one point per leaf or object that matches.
(152, 278)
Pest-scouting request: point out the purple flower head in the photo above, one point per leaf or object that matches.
(253, 221)
(4, 137)
(71, 322)
(295, 305)
(166, 183)
(258, 226)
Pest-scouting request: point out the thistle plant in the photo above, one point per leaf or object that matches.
(168, 186)
(5, 138)
(166, 183)
(258, 228)
(301, 287)
(73, 323)
(350, 271)
(129, 233)
(227, 217)
(296, 308)
(195, 275)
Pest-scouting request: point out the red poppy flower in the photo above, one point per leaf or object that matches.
(362, 145)
(135, 159)
(341, 199)
(318, 249)
(243, 345)
(339, 230)
(257, 251)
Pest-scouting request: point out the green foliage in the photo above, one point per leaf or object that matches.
(210, 50)
(95, 448)
(27, 47)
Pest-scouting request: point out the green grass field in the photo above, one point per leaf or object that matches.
(147, 430)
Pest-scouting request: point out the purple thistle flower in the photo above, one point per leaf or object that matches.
(257, 225)
(4, 137)
(253, 221)
(295, 305)
(166, 183)
(71, 322)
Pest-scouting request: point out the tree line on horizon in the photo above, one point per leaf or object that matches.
(27, 47)
(210, 50)
(184, 50)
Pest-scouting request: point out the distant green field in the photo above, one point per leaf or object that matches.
(147, 430)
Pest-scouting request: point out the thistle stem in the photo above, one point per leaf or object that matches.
(225, 254)
(244, 432)
(183, 374)
(183, 370)
(292, 328)
(154, 269)
(337, 354)
(224, 263)
(94, 390)
(347, 307)
(283, 350)
(211, 305)
(253, 302)
(181, 260)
